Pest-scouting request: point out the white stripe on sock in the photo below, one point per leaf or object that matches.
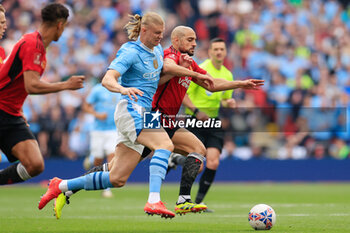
(68, 193)
(63, 186)
(153, 197)
(197, 156)
(105, 167)
(183, 198)
(22, 172)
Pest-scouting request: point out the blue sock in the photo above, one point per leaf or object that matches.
(157, 169)
(91, 181)
(76, 183)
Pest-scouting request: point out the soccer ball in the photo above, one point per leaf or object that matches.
(262, 217)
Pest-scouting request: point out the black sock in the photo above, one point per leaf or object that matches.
(205, 183)
(189, 174)
(180, 160)
(10, 175)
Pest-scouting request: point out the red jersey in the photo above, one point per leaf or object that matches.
(2, 55)
(168, 97)
(27, 54)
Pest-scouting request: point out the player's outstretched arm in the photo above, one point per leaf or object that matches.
(223, 84)
(34, 85)
(171, 69)
(110, 81)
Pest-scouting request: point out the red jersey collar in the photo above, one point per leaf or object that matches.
(39, 35)
(173, 50)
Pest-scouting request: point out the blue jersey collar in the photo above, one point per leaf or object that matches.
(138, 42)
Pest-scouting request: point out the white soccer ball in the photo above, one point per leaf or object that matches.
(262, 217)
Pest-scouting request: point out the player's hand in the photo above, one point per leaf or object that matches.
(75, 82)
(185, 60)
(252, 84)
(202, 116)
(101, 115)
(207, 79)
(131, 92)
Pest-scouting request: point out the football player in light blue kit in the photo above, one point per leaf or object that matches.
(101, 104)
(139, 64)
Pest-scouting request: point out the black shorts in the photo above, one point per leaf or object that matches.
(170, 133)
(13, 130)
(209, 137)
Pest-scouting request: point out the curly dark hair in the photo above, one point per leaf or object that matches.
(54, 12)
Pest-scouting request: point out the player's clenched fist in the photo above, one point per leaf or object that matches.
(76, 82)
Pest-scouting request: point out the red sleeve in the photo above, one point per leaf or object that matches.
(170, 55)
(2, 55)
(32, 57)
(196, 68)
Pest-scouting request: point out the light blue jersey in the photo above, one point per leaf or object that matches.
(103, 100)
(139, 67)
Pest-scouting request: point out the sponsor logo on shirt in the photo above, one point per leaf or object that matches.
(185, 82)
(153, 76)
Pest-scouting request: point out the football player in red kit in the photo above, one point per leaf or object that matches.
(20, 76)
(168, 99)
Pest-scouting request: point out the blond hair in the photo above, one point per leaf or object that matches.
(133, 27)
(2, 9)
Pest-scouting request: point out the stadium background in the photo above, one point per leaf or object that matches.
(300, 48)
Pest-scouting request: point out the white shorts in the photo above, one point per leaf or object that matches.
(128, 119)
(102, 143)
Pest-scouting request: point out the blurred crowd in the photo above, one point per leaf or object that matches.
(301, 48)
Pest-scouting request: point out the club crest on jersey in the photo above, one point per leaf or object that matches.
(37, 57)
(172, 56)
(155, 63)
(1, 60)
(43, 65)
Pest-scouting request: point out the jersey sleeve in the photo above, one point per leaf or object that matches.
(228, 93)
(124, 60)
(196, 68)
(170, 55)
(32, 58)
(92, 97)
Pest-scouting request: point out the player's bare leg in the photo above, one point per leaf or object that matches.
(31, 163)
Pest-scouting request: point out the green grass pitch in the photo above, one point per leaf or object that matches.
(305, 207)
